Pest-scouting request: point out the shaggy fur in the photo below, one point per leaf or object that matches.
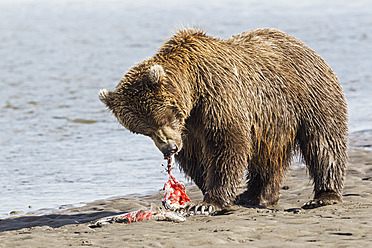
(236, 105)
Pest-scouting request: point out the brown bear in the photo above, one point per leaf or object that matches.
(236, 108)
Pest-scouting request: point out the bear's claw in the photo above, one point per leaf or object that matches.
(196, 208)
(323, 198)
(201, 208)
(313, 204)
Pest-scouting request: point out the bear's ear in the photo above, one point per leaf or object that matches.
(104, 96)
(156, 73)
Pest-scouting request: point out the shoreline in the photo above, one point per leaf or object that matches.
(346, 224)
(357, 139)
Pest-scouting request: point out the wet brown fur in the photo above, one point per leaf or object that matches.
(236, 105)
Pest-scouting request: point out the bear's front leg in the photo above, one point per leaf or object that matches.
(224, 172)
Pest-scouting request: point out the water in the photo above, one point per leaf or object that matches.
(58, 144)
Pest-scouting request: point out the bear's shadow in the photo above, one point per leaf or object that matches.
(52, 220)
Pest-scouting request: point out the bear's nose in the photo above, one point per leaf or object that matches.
(169, 149)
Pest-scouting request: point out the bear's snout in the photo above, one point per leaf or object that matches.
(167, 140)
(169, 149)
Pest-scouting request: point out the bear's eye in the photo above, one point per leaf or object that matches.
(171, 120)
(165, 119)
(162, 122)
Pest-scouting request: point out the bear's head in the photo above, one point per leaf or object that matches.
(143, 104)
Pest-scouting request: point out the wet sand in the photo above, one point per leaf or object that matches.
(60, 145)
(343, 225)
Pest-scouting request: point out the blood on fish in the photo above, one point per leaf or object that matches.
(175, 192)
(135, 216)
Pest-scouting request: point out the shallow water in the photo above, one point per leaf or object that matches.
(58, 143)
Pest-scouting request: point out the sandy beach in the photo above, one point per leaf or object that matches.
(284, 225)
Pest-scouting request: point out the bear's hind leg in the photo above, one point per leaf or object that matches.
(265, 173)
(261, 191)
(325, 159)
